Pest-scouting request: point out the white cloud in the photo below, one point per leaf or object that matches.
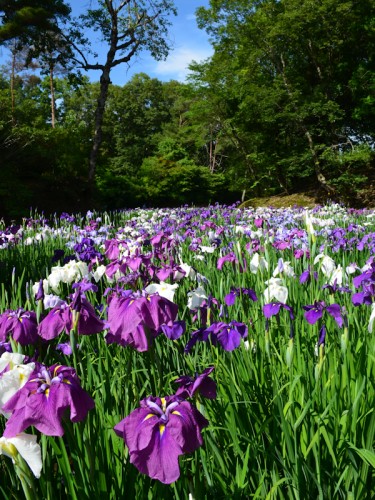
(176, 65)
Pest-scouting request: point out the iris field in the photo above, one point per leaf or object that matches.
(196, 353)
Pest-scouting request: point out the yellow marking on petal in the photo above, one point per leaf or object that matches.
(163, 404)
(148, 416)
(66, 381)
(46, 392)
(176, 413)
(55, 370)
(8, 448)
(161, 429)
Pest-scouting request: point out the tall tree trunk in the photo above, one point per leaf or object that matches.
(98, 127)
(12, 81)
(52, 90)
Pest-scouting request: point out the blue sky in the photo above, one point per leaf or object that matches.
(188, 42)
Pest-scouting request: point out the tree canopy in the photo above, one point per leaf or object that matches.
(28, 19)
(286, 103)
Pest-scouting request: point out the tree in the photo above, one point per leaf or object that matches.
(299, 78)
(136, 112)
(126, 27)
(28, 20)
(33, 30)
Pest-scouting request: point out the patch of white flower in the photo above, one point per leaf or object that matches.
(196, 298)
(15, 376)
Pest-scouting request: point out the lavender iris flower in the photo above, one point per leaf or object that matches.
(65, 348)
(159, 432)
(20, 324)
(43, 400)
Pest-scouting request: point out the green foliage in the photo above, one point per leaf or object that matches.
(284, 105)
(291, 73)
(286, 423)
(352, 169)
(168, 182)
(28, 19)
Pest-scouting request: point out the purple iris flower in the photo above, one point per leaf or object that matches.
(228, 335)
(135, 319)
(20, 324)
(367, 276)
(188, 386)
(322, 335)
(67, 217)
(57, 255)
(201, 335)
(173, 330)
(366, 296)
(60, 318)
(315, 311)
(86, 251)
(332, 288)
(57, 320)
(5, 347)
(231, 257)
(308, 275)
(258, 222)
(40, 293)
(112, 250)
(43, 400)
(65, 348)
(273, 309)
(230, 298)
(365, 280)
(159, 432)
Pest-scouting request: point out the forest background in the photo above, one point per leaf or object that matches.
(285, 104)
